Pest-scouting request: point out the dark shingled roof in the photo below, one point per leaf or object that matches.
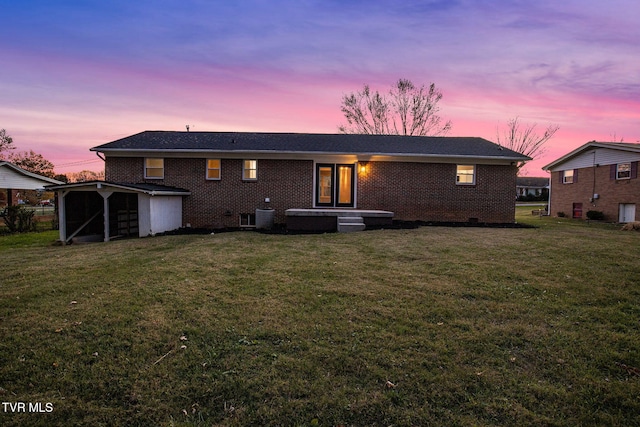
(243, 142)
(526, 181)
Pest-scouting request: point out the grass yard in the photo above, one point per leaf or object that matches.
(433, 326)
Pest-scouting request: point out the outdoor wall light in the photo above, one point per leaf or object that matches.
(363, 168)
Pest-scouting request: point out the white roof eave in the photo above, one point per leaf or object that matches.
(308, 154)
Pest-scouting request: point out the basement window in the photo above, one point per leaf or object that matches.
(247, 220)
(466, 175)
(153, 168)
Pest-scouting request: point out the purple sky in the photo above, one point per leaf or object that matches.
(76, 74)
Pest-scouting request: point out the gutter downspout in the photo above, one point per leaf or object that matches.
(550, 187)
(593, 189)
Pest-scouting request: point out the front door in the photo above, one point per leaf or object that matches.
(627, 212)
(335, 185)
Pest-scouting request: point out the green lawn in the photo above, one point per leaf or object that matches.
(432, 326)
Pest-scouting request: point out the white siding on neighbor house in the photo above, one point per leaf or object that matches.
(598, 156)
(16, 181)
(157, 214)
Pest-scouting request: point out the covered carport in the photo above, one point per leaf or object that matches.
(99, 210)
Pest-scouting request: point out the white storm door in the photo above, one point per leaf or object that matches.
(627, 212)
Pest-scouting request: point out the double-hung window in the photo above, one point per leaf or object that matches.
(250, 170)
(623, 171)
(153, 168)
(567, 177)
(466, 175)
(213, 169)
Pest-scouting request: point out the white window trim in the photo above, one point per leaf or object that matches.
(219, 169)
(473, 175)
(250, 219)
(146, 168)
(244, 170)
(564, 176)
(618, 171)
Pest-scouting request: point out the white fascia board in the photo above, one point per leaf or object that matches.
(77, 186)
(567, 156)
(104, 186)
(591, 145)
(314, 155)
(26, 173)
(167, 193)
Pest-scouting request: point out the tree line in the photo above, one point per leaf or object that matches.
(36, 163)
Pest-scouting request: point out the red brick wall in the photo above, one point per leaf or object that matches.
(428, 192)
(217, 204)
(612, 192)
(413, 191)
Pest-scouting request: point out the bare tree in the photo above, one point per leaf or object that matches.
(524, 139)
(406, 110)
(614, 138)
(366, 112)
(6, 142)
(32, 162)
(85, 176)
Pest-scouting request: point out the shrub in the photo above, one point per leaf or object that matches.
(533, 198)
(561, 214)
(19, 219)
(595, 215)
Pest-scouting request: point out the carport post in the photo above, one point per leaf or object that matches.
(62, 216)
(105, 195)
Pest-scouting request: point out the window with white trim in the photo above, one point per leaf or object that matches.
(250, 170)
(213, 169)
(567, 176)
(247, 220)
(153, 168)
(466, 175)
(623, 171)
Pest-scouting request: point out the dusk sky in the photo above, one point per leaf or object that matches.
(76, 74)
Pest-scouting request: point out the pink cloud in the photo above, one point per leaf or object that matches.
(67, 88)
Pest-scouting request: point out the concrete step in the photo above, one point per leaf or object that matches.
(350, 220)
(348, 224)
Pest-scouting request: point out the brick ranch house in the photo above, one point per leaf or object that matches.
(598, 176)
(221, 178)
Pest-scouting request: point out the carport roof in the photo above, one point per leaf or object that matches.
(151, 189)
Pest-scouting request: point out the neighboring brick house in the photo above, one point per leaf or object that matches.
(598, 176)
(228, 175)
